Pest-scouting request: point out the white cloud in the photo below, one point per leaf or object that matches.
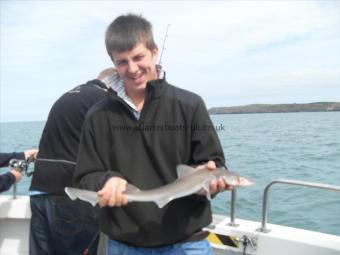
(215, 48)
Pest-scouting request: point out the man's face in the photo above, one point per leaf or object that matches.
(136, 67)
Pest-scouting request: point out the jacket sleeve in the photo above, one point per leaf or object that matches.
(91, 172)
(6, 181)
(6, 157)
(205, 143)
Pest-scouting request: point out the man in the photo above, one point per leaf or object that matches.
(138, 135)
(59, 225)
(13, 176)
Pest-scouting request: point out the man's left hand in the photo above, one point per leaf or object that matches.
(217, 185)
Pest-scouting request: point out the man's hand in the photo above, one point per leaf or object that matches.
(216, 185)
(112, 193)
(31, 153)
(17, 175)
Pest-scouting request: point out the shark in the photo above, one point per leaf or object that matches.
(190, 181)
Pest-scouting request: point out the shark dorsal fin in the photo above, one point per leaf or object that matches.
(131, 188)
(183, 170)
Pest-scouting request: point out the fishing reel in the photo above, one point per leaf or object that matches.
(21, 165)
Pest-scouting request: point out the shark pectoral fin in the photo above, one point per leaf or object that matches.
(183, 170)
(162, 202)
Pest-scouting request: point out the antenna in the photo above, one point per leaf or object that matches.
(163, 48)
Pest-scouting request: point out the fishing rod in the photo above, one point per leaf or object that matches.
(163, 48)
(21, 165)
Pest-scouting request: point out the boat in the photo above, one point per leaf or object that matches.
(227, 235)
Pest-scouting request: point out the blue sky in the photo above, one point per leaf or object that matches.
(229, 52)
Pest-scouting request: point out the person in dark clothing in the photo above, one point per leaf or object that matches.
(58, 224)
(6, 157)
(138, 135)
(8, 179)
(13, 176)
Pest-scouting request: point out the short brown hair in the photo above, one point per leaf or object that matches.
(126, 31)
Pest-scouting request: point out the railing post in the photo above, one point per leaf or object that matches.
(232, 208)
(14, 191)
(263, 227)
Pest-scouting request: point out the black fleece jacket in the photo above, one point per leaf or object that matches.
(174, 128)
(58, 147)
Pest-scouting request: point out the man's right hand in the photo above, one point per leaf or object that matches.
(112, 193)
(17, 175)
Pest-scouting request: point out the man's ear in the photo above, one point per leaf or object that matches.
(154, 52)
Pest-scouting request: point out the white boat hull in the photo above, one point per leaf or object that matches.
(280, 240)
(15, 217)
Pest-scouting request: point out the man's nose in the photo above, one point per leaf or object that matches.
(132, 67)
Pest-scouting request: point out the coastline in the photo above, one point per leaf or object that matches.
(277, 108)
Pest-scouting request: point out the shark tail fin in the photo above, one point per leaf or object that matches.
(162, 202)
(71, 193)
(92, 201)
(85, 195)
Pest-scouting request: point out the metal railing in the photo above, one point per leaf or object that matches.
(232, 209)
(14, 194)
(264, 228)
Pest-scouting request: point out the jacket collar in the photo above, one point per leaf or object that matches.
(155, 88)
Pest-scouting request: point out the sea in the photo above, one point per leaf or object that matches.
(302, 146)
